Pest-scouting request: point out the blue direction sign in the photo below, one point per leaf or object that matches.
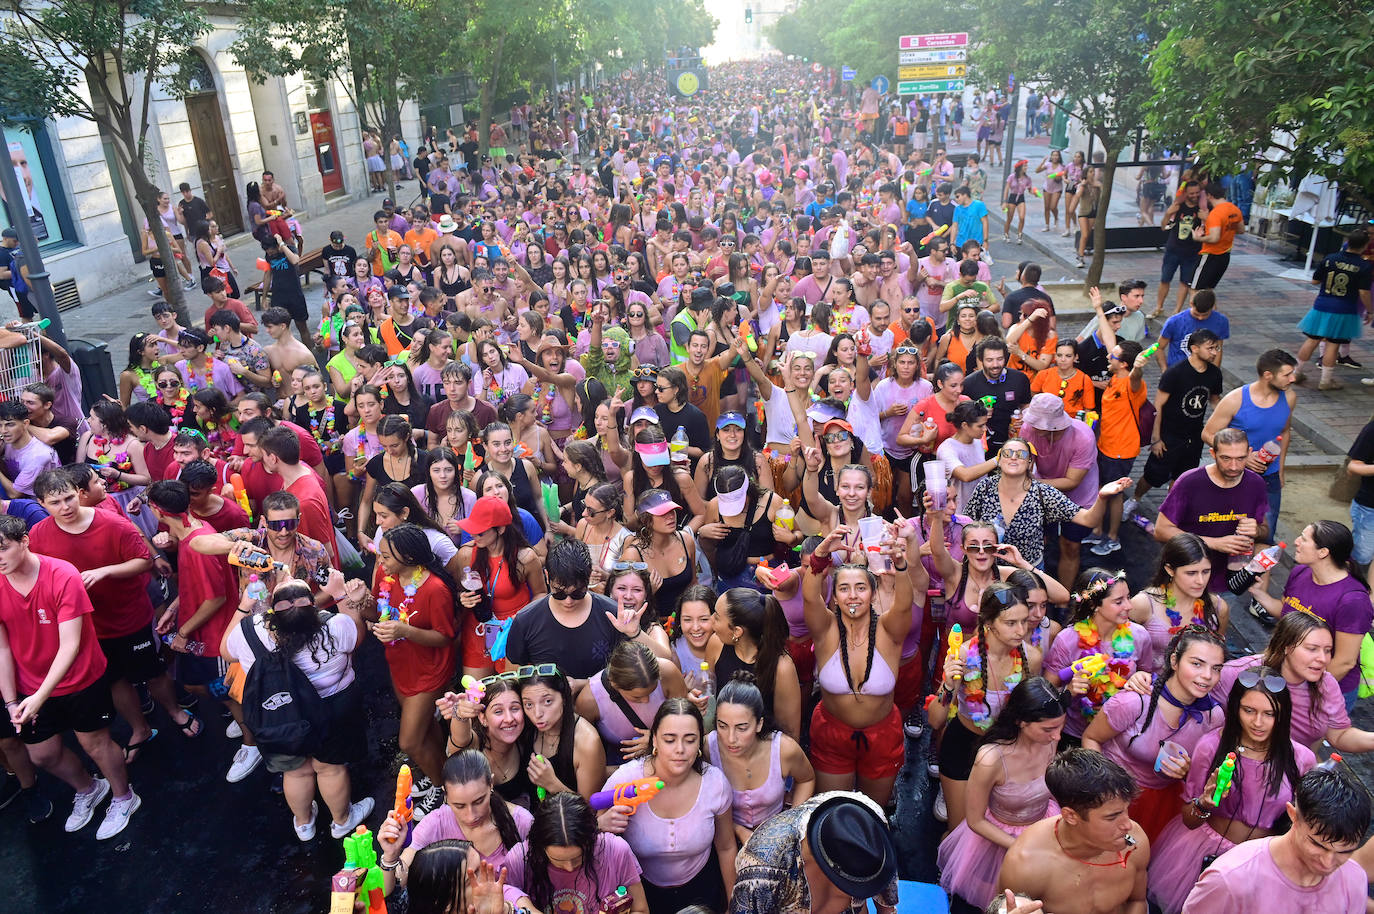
(879, 84)
(847, 74)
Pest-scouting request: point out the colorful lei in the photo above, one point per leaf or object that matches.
(975, 696)
(193, 379)
(1120, 664)
(1176, 623)
(145, 380)
(177, 407)
(323, 431)
(113, 453)
(384, 593)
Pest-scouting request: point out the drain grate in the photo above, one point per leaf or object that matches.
(66, 294)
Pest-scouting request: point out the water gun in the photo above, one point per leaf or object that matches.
(404, 810)
(474, 690)
(988, 402)
(1091, 417)
(470, 459)
(1037, 192)
(255, 560)
(926, 172)
(539, 792)
(935, 234)
(1087, 667)
(1224, 775)
(276, 377)
(746, 330)
(1056, 175)
(359, 854)
(956, 640)
(630, 794)
(241, 494)
(523, 451)
(361, 454)
(758, 408)
(1151, 349)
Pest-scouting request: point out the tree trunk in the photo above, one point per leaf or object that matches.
(1104, 198)
(146, 193)
(486, 101)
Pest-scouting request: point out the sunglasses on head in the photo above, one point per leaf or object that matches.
(282, 526)
(522, 672)
(1272, 684)
(284, 605)
(904, 349)
(630, 566)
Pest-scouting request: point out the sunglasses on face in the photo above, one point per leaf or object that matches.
(835, 437)
(983, 548)
(169, 385)
(1015, 453)
(1272, 684)
(563, 595)
(282, 526)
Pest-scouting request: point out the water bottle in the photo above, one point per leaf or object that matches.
(705, 681)
(192, 647)
(678, 443)
(256, 590)
(1270, 452)
(1240, 580)
(1015, 428)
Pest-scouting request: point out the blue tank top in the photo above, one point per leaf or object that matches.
(1261, 424)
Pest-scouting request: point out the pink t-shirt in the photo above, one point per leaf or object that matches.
(1311, 719)
(933, 289)
(673, 851)
(614, 865)
(1065, 650)
(887, 392)
(442, 824)
(1075, 447)
(1125, 711)
(1246, 878)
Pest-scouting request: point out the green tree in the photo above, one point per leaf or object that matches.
(1284, 85)
(863, 33)
(1096, 51)
(102, 60)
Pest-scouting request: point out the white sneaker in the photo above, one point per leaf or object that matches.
(427, 803)
(941, 809)
(117, 816)
(306, 832)
(245, 760)
(420, 786)
(84, 804)
(356, 814)
(233, 731)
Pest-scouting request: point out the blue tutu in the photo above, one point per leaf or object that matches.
(1328, 325)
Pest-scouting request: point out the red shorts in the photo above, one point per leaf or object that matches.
(1156, 807)
(874, 752)
(803, 654)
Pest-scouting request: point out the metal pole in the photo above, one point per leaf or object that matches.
(40, 285)
(1010, 137)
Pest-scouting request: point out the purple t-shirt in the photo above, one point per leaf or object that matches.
(66, 405)
(1246, 878)
(1125, 711)
(23, 465)
(1075, 448)
(1344, 605)
(1311, 719)
(1198, 505)
(442, 824)
(673, 851)
(614, 865)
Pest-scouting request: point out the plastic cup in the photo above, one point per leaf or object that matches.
(1166, 750)
(936, 483)
(873, 532)
(787, 518)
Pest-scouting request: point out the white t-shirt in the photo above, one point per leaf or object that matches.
(330, 677)
(955, 454)
(863, 415)
(782, 425)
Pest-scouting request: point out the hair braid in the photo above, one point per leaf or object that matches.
(1160, 679)
(844, 647)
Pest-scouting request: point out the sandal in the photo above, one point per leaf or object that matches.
(192, 728)
(133, 750)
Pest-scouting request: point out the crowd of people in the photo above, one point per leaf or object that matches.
(679, 485)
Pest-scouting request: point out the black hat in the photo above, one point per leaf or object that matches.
(852, 846)
(701, 298)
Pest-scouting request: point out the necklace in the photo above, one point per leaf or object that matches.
(193, 380)
(1260, 750)
(1119, 861)
(385, 593)
(145, 379)
(1120, 664)
(322, 428)
(1176, 617)
(975, 698)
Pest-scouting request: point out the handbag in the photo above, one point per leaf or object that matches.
(1345, 484)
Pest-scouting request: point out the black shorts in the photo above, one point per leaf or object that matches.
(1015, 199)
(1181, 262)
(1110, 469)
(958, 749)
(155, 264)
(191, 670)
(1179, 457)
(1210, 269)
(86, 711)
(1326, 339)
(134, 658)
(296, 308)
(1067, 531)
(344, 742)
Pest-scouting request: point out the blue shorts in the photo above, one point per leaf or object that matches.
(1184, 264)
(1362, 526)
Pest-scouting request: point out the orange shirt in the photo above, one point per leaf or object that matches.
(1027, 345)
(899, 334)
(1119, 434)
(419, 240)
(381, 260)
(1227, 215)
(1077, 392)
(957, 352)
(703, 390)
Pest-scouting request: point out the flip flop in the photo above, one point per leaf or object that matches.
(192, 728)
(132, 751)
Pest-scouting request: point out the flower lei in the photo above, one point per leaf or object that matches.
(1120, 663)
(402, 612)
(328, 440)
(193, 379)
(975, 696)
(176, 407)
(105, 452)
(145, 380)
(1176, 617)
(546, 402)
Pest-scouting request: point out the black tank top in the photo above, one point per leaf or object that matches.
(728, 664)
(671, 589)
(525, 495)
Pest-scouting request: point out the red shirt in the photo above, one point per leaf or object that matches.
(229, 517)
(123, 607)
(158, 460)
(113, 507)
(258, 483)
(201, 578)
(315, 517)
(310, 448)
(416, 669)
(31, 623)
(248, 324)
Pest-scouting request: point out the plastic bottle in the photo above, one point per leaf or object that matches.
(678, 443)
(1015, 427)
(192, 647)
(256, 589)
(787, 518)
(706, 681)
(1270, 452)
(1259, 563)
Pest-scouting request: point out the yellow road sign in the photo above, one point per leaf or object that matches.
(932, 71)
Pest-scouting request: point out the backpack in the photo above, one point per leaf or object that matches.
(1145, 422)
(281, 707)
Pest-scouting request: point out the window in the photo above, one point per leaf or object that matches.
(43, 197)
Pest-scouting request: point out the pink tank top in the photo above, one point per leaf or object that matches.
(881, 681)
(1019, 802)
(613, 725)
(752, 807)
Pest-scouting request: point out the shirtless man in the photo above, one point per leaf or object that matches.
(1091, 858)
(285, 352)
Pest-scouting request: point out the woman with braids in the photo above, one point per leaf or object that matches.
(1178, 596)
(1153, 737)
(496, 725)
(978, 680)
(568, 864)
(565, 752)
(1325, 583)
(1006, 792)
(1268, 764)
(414, 598)
(511, 575)
(752, 636)
(856, 730)
(757, 758)
(471, 812)
(1100, 626)
(625, 696)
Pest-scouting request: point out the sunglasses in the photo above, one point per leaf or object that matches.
(1272, 684)
(630, 566)
(169, 385)
(835, 437)
(1015, 453)
(904, 349)
(564, 595)
(662, 387)
(522, 672)
(282, 526)
(983, 548)
(284, 605)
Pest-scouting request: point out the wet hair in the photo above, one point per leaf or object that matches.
(1178, 646)
(1292, 630)
(586, 455)
(1335, 537)
(742, 689)
(13, 528)
(411, 548)
(1333, 803)
(198, 475)
(997, 598)
(569, 562)
(436, 881)
(52, 482)
(1031, 701)
(682, 707)
(632, 665)
(298, 628)
(944, 371)
(1282, 763)
(563, 820)
(394, 426)
(470, 765)
(966, 412)
(399, 500)
(1084, 779)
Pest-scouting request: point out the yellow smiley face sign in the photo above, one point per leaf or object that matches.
(688, 83)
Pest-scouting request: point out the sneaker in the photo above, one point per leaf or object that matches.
(913, 725)
(1129, 507)
(306, 832)
(1332, 384)
(117, 816)
(233, 731)
(1106, 547)
(1080, 264)
(941, 810)
(1262, 614)
(1020, 238)
(1367, 382)
(426, 804)
(422, 785)
(356, 814)
(1092, 538)
(10, 791)
(1348, 362)
(155, 293)
(188, 283)
(36, 806)
(84, 804)
(245, 760)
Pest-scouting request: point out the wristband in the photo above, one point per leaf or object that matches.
(1198, 811)
(819, 563)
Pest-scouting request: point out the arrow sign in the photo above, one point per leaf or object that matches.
(879, 84)
(930, 85)
(947, 55)
(938, 40)
(931, 71)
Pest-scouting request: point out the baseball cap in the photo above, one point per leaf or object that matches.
(487, 512)
(731, 418)
(336, 236)
(644, 414)
(656, 501)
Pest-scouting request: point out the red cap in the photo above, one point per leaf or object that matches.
(489, 511)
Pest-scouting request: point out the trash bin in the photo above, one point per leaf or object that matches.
(97, 373)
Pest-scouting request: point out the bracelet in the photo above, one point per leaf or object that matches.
(1196, 803)
(819, 563)
(383, 864)
(10, 704)
(895, 568)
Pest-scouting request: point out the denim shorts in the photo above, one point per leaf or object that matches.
(1362, 525)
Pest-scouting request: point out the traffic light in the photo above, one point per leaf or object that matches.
(748, 14)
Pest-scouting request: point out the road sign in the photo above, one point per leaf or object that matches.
(846, 74)
(816, 67)
(946, 55)
(879, 84)
(938, 40)
(930, 85)
(931, 71)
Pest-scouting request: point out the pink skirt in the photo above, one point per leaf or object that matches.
(1176, 862)
(969, 863)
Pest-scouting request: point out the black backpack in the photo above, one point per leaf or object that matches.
(281, 707)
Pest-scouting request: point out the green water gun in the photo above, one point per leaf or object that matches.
(1224, 775)
(360, 854)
